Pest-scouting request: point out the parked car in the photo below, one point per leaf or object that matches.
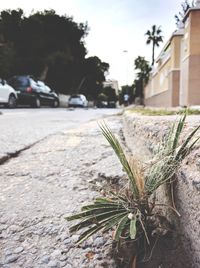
(8, 96)
(112, 104)
(106, 104)
(77, 101)
(32, 92)
(102, 104)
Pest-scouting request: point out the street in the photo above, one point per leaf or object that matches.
(66, 162)
(20, 128)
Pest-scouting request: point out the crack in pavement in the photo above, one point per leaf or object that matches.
(15, 154)
(4, 159)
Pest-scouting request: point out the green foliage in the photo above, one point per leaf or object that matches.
(94, 72)
(7, 56)
(143, 73)
(130, 211)
(110, 93)
(154, 36)
(122, 158)
(52, 48)
(102, 97)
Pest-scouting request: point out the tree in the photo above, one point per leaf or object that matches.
(143, 69)
(6, 60)
(154, 36)
(110, 94)
(46, 45)
(52, 48)
(94, 75)
(142, 77)
(185, 7)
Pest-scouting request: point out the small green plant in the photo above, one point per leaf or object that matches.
(130, 212)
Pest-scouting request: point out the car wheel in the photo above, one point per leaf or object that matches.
(55, 103)
(37, 103)
(12, 101)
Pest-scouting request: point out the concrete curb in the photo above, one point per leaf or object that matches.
(142, 135)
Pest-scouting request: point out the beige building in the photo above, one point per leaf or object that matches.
(175, 80)
(113, 84)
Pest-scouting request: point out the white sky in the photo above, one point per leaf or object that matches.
(115, 26)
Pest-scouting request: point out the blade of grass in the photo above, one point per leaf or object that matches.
(178, 132)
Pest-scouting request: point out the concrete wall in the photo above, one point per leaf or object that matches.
(159, 80)
(163, 87)
(194, 80)
(63, 100)
(174, 85)
(190, 60)
(159, 100)
(170, 97)
(143, 135)
(184, 47)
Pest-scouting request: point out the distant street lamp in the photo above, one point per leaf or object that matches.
(126, 52)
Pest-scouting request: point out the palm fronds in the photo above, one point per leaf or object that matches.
(103, 215)
(114, 143)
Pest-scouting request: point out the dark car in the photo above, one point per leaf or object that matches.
(106, 104)
(32, 92)
(112, 104)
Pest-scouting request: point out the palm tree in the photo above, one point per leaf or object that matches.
(154, 36)
(143, 73)
(143, 68)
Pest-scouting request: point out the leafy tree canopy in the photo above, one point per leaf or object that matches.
(110, 93)
(143, 69)
(142, 76)
(49, 46)
(94, 75)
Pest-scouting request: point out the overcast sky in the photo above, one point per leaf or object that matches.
(115, 26)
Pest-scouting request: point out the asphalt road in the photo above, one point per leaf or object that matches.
(51, 180)
(20, 128)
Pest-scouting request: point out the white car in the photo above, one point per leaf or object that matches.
(78, 100)
(8, 95)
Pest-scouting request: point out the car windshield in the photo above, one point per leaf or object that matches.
(75, 97)
(21, 81)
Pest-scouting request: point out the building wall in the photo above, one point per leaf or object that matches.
(159, 81)
(174, 85)
(159, 100)
(182, 78)
(192, 59)
(163, 87)
(187, 49)
(170, 97)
